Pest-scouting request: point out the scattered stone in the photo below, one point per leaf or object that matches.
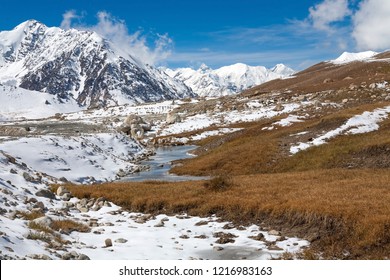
(184, 236)
(61, 191)
(274, 232)
(228, 226)
(328, 80)
(121, 240)
(159, 224)
(259, 237)
(45, 193)
(38, 206)
(13, 171)
(108, 242)
(39, 257)
(66, 197)
(83, 257)
(28, 177)
(217, 248)
(224, 237)
(172, 118)
(202, 236)
(201, 223)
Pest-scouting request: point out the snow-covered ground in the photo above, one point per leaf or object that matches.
(81, 159)
(363, 123)
(18, 103)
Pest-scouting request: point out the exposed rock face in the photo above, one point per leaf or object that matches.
(81, 65)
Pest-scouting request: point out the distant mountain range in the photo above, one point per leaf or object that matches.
(227, 80)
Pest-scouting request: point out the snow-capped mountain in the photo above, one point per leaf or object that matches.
(80, 65)
(347, 57)
(227, 80)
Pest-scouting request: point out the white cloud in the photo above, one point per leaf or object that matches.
(372, 25)
(135, 44)
(67, 19)
(329, 11)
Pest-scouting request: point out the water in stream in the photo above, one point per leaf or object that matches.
(161, 163)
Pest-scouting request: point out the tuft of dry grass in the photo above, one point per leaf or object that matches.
(67, 226)
(338, 210)
(219, 183)
(30, 215)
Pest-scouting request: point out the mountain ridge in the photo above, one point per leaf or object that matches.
(227, 80)
(80, 65)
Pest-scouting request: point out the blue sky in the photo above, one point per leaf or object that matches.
(178, 33)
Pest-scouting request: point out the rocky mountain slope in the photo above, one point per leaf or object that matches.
(227, 80)
(80, 65)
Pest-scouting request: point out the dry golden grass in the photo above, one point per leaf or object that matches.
(30, 215)
(339, 210)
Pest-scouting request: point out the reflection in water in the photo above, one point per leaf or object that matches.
(161, 163)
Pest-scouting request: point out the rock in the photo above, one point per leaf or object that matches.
(83, 202)
(224, 237)
(120, 240)
(83, 257)
(83, 209)
(160, 224)
(45, 193)
(28, 177)
(259, 237)
(172, 118)
(13, 171)
(328, 80)
(353, 87)
(44, 221)
(63, 179)
(39, 206)
(10, 159)
(66, 197)
(274, 232)
(348, 78)
(279, 107)
(108, 242)
(345, 100)
(62, 190)
(217, 248)
(136, 131)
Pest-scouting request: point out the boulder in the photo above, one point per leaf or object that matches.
(173, 118)
(45, 193)
(108, 242)
(62, 190)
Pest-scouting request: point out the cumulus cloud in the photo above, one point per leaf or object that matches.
(152, 49)
(327, 12)
(371, 25)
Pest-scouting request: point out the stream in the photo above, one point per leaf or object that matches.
(161, 163)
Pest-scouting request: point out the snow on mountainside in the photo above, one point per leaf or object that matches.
(227, 80)
(347, 57)
(80, 65)
(19, 103)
